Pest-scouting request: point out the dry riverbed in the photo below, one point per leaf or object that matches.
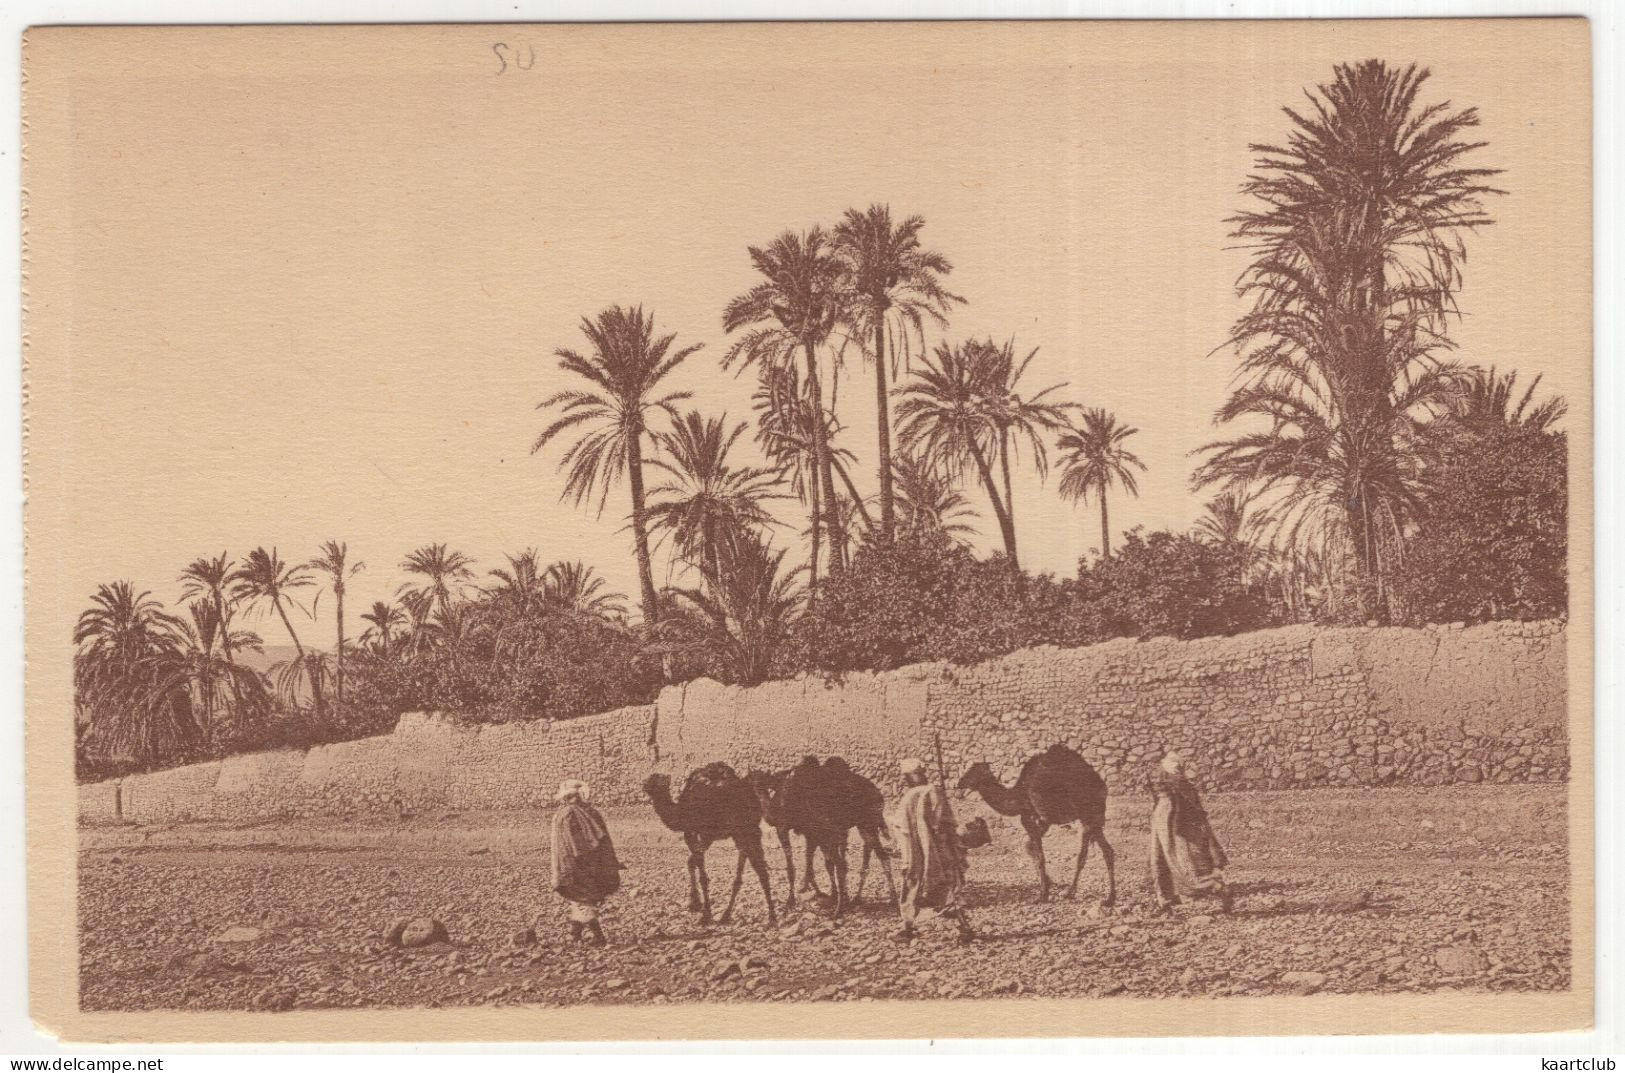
(1377, 891)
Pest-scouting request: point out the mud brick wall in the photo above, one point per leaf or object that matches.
(1294, 707)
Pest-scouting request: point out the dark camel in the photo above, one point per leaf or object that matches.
(1055, 787)
(823, 803)
(769, 790)
(715, 804)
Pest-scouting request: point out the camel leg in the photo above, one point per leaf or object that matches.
(789, 868)
(758, 863)
(1088, 834)
(1108, 855)
(697, 862)
(885, 867)
(809, 878)
(1035, 850)
(693, 882)
(863, 872)
(837, 890)
(733, 895)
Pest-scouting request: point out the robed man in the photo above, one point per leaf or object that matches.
(933, 861)
(585, 869)
(1186, 858)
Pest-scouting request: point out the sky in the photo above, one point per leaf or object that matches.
(317, 278)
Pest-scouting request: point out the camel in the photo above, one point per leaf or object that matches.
(769, 788)
(823, 803)
(1055, 787)
(715, 804)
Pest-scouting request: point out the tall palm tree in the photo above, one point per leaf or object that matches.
(795, 309)
(624, 367)
(264, 579)
(574, 586)
(1486, 398)
(897, 285)
(384, 620)
(443, 570)
(705, 499)
(1357, 253)
(1094, 459)
(928, 503)
(964, 407)
(119, 643)
(334, 562)
(785, 417)
(210, 579)
(214, 682)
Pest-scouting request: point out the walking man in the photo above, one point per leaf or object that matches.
(585, 869)
(933, 862)
(1186, 858)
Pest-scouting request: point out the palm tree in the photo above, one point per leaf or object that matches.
(624, 368)
(384, 620)
(963, 408)
(210, 579)
(785, 432)
(520, 585)
(1225, 519)
(421, 631)
(334, 562)
(1358, 247)
(119, 641)
(264, 579)
(573, 586)
(1094, 458)
(212, 680)
(898, 286)
(1486, 399)
(706, 500)
(795, 308)
(443, 572)
(750, 603)
(928, 503)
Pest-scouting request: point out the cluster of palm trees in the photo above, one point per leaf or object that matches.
(150, 683)
(867, 289)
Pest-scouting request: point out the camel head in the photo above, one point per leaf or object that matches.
(657, 786)
(978, 775)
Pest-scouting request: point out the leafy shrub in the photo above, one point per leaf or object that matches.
(1493, 541)
(1173, 585)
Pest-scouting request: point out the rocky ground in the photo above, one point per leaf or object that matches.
(1393, 890)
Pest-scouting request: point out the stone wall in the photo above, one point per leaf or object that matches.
(1294, 707)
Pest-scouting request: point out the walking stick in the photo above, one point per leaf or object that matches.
(942, 772)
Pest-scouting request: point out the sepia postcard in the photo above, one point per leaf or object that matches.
(592, 532)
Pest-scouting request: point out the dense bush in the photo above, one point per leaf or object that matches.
(922, 599)
(1173, 585)
(1493, 542)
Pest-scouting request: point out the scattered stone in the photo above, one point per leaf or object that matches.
(422, 931)
(1007, 987)
(752, 961)
(1304, 983)
(724, 970)
(1120, 930)
(275, 999)
(1461, 960)
(1200, 919)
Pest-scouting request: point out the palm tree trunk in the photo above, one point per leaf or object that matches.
(1006, 529)
(1009, 495)
(888, 522)
(315, 679)
(812, 564)
(1105, 529)
(837, 545)
(640, 528)
(857, 500)
(339, 593)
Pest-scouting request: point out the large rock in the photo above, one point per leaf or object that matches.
(1304, 983)
(417, 931)
(240, 934)
(1461, 960)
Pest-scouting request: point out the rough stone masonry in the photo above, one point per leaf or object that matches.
(1294, 707)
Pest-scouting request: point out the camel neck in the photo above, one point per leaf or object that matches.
(1000, 798)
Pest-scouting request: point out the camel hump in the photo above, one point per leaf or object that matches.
(716, 774)
(837, 765)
